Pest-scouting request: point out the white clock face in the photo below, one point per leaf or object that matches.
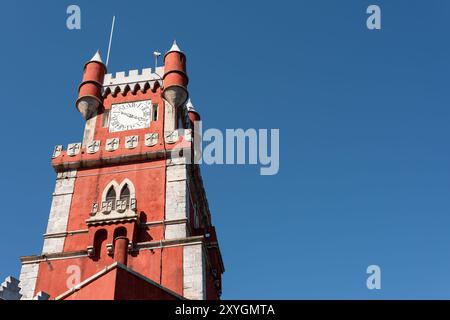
(130, 116)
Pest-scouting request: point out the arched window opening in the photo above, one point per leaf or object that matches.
(99, 239)
(111, 198)
(125, 193)
(124, 201)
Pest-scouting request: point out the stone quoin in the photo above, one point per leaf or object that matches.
(129, 209)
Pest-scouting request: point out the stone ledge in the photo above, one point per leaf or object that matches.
(169, 243)
(116, 159)
(52, 256)
(63, 234)
(163, 222)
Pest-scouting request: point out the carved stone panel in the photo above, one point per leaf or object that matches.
(151, 139)
(73, 149)
(112, 144)
(121, 205)
(172, 137)
(131, 142)
(57, 151)
(133, 204)
(93, 146)
(107, 206)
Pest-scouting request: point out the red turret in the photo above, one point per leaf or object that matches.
(175, 79)
(89, 91)
(193, 115)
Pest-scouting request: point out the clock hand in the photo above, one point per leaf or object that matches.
(133, 116)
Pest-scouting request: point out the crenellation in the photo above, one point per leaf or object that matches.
(122, 80)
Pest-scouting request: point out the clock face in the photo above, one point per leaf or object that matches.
(130, 116)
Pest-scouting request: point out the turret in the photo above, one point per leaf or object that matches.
(194, 124)
(89, 91)
(175, 79)
(193, 115)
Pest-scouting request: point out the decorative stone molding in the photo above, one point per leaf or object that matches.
(131, 142)
(107, 207)
(151, 139)
(112, 144)
(121, 205)
(93, 146)
(73, 149)
(124, 210)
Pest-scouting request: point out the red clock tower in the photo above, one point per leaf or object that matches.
(129, 217)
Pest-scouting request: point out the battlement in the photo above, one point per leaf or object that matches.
(133, 80)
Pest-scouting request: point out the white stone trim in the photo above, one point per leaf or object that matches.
(176, 198)
(113, 184)
(54, 244)
(130, 184)
(37, 259)
(28, 277)
(176, 231)
(194, 282)
(59, 212)
(64, 234)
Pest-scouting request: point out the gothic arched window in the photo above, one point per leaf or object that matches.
(125, 192)
(124, 199)
(111, 197)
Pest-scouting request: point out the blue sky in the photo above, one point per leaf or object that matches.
(364, 136)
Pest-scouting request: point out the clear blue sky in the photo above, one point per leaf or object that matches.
(364, 128)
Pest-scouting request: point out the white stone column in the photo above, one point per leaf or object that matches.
(176, 198)
(28, 277)
(194, 278)
(59, 212)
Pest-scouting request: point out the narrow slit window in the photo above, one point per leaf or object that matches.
(155, 112)
(105, 118)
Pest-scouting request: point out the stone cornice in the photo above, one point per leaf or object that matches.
(95, 162)
(138, 246)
